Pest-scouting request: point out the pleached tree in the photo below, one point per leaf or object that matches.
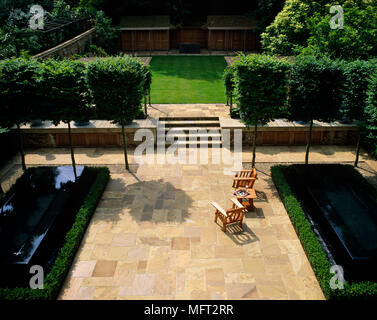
(356, 74)
(18, 98)
(117, 88)
(66, 95)
(261, 88)
(316, 86)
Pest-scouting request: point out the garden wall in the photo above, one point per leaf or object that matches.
(284, 133)
(102, 133)
(73, 46)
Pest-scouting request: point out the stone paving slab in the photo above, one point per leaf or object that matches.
(153, 235)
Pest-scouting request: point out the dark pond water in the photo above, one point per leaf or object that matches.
(343, 211)
(35, 216)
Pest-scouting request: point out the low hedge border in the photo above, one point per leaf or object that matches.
(313, 248)
(55, 278)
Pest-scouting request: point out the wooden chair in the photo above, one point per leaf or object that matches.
(245, 178)
(230, 216)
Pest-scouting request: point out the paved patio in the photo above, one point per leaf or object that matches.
(153, 236)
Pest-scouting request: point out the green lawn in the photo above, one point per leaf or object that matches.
(187, 79)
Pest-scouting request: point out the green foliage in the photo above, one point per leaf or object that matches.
(228, 77)
(288, 31)
(55, 278)
(117, 87)
(95, 51)
(147, 81)
(356, 76)
(371, 114)
(311, 245)
(18, 85)
(261, 87)
(106, 35)
(266, 12)
(358, 38)
(315, 89)
(64, 92)
(303, 26)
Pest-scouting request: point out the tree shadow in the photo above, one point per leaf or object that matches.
(241, 236)
(154, 201)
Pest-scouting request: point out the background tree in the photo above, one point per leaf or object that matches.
(17, 95)
(356, 75)
(66, 94)
(371, 113)
(117, 87)
(315, 92)
(229, 85)
(147, 87)
(357, 39)
(260, 90)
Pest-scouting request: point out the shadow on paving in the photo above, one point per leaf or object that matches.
(241, 236)
(155, 201)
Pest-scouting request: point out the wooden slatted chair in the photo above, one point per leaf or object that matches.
(230, 216)
(245, 178)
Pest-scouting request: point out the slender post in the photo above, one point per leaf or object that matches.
(309, 142)
(125, 146)
(72, 153)
(254, 145)
(21, 139)
(357, 150)
(150, 44)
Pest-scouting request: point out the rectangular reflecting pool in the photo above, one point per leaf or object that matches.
(35, 216)
(343, 211)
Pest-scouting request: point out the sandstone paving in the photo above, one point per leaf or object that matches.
(153, 234)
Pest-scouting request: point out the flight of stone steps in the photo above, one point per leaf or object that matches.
(191, 131)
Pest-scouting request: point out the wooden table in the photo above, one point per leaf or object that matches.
(247, 201)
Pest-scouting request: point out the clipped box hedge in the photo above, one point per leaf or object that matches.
(313, 248)
(55, 278)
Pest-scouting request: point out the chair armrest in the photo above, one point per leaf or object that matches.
(237, 203)
(244, 179)
(219, 208)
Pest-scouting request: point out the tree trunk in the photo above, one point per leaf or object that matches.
(357, 150)
(231, 100)
(72, 153)
(227, 100)
(145, 106)
(21, 139)
(254, 145)
(125, 146)
(309, 142)
(149, 97)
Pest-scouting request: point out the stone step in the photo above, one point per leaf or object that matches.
(187, 129)
(188, 118)
(185, 135)
(190, 123)
(188, 144)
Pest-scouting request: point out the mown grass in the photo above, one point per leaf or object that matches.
(187, 79)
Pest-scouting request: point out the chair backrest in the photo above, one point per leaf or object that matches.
(248, 178)
(235, 214)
